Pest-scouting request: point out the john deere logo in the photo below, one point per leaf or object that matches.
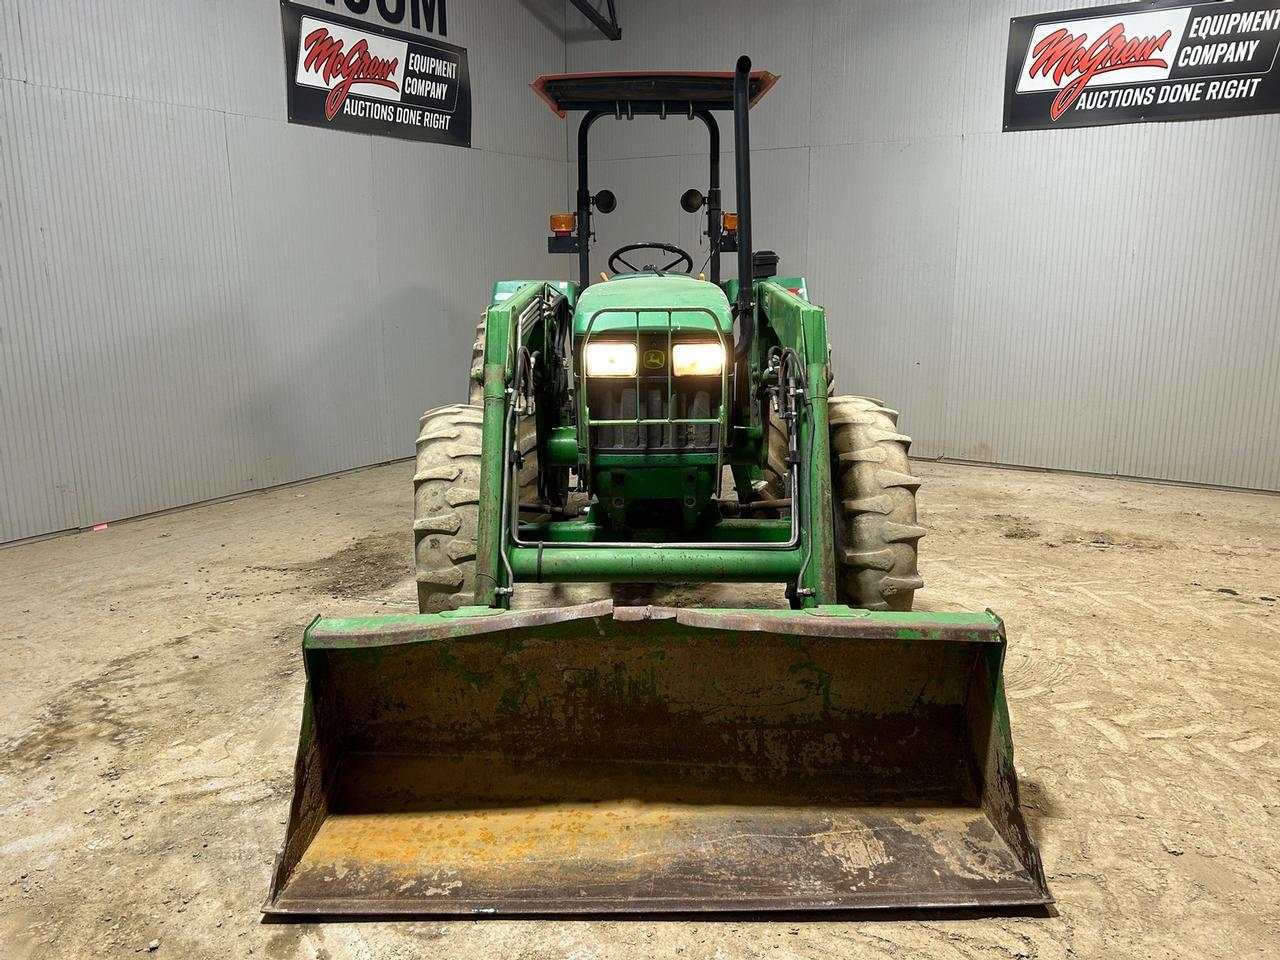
(654, 359)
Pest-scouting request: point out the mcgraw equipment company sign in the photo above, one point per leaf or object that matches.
(358, 75)
(1142, 61)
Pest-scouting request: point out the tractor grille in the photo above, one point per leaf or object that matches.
(695, 398)
(647, 398)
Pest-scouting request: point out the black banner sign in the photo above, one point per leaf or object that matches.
(1142, 61)
(354, 75)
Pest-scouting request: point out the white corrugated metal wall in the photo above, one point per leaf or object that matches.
(1100, 299)
(197, 298)
(180, 319)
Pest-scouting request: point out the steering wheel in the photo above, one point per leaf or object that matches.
(618, 257)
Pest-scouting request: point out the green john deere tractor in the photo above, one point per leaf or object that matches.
(842, 753)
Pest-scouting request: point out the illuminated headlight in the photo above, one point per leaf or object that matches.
(697, 359)
(611, 359)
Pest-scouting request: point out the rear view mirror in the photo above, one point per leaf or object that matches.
(605, 201)
(692, 200)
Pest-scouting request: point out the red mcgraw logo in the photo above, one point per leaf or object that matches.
(1063, 55)
(357, 65)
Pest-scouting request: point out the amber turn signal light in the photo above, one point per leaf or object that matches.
(730, 221)
(562, 224)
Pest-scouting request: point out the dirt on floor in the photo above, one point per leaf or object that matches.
(152, 692)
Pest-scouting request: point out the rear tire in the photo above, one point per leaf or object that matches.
(475, 391)
(774, 472)
(875, 511)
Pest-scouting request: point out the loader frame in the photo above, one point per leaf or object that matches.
(742, 550)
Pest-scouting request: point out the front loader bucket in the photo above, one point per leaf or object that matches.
(595, 759)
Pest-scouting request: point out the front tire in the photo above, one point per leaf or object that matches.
(877, 536)
(446, 506)
(446, 501)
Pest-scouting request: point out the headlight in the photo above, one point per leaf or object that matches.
(606, 359)
(697, 359)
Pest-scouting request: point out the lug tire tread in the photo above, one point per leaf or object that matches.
(775, 468)
(446, 503)
(475, 389)
(875, 492)
(446, 495)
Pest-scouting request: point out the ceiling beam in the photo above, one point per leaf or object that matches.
(608, 27)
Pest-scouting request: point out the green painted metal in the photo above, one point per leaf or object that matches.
(796, 321)
(787, 283)
(689, 482)
(640, 460)
(820, 530)
(668, 563)
(489, 580)
(747, 449)
(801, 326)
(491, 588)
(503, 290)
(725, 531)
(329, 633)
(562, 447)
(661, 303)
(623, 295)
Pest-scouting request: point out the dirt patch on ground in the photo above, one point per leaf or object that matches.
(1017, 527)
(1014, 528)
(368, 566)
(1113, 539)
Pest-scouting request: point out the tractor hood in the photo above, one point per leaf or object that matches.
(648, 301)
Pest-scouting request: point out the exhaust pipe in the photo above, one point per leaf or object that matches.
(744, 308)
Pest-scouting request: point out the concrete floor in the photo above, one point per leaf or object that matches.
(152, 688)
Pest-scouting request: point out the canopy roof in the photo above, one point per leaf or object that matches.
(652, 92)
